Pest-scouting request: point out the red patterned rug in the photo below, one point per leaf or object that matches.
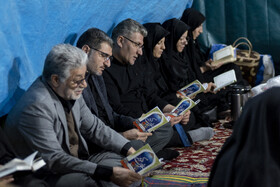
(193, 166)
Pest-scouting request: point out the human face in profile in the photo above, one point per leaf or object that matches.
(197, 31)
(99, 59)
(131, 47)
(73, 86)
(159, 48)
(182, 42)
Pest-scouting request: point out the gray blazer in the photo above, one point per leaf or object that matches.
(38, 122)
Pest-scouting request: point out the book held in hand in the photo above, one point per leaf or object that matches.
(192, 89)
(151, 121)
(184, 105)
(142, 161)
(224, 55)
(224, 79)
(22, 165)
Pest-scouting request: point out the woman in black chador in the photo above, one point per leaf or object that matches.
(251, 156)
(154, 46)
(176, 67)
(199, 63)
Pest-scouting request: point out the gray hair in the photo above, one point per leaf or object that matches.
(61, 60)
(94, 37)
(127, 28)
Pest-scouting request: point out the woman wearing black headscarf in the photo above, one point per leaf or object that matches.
(199, 63)
(154, 46)
(153, 49)
(175, 69)
(251, 156)
(176, 65)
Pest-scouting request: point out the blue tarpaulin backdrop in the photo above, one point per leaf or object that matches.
(29, 29)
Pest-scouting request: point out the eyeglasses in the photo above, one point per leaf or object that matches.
(139, 45)
(104, 55)
(78, 82)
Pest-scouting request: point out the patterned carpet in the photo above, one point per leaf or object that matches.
(193, 166)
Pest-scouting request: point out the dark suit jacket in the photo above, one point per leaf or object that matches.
(118, 122)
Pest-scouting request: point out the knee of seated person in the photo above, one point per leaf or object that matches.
(74, 179)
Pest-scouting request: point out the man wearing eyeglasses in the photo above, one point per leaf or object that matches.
(125, 79)
(53, 119)
(98, 45)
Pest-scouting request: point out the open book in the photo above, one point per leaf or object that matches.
(142, 161)
(224, 55)
(21, 165)
(151, 121)
(224, 79)
(192, 89)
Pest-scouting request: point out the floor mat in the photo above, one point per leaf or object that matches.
(193, 166)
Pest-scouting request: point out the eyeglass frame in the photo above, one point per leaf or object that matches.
(78, 82)
(102, 53)
(135, 43)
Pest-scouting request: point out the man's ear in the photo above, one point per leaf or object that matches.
(55, 80)
(86, 49)
(120, 40)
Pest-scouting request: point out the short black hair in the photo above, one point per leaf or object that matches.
(93, 37)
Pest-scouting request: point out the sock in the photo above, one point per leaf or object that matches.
(203, 133)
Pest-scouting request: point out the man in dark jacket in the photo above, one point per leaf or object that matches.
(98, 45)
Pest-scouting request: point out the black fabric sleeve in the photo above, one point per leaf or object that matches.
(125, 148)
(103, 173)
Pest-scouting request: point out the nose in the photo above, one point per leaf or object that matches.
(83, 84)
(107, 63)
(139, 51)
(163, 46)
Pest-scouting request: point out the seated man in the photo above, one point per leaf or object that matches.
(125, 79)
(52, 117)
(98, 45)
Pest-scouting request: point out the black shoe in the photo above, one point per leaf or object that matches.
(167, 154)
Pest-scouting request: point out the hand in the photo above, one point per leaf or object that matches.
(184, 97)
(186, 118)
(130, 151)
(175, 120)
(211, 66)
(206, 67)
(5, 180)
(124, 177)
(210, 88)
(180, 96)
(135, 134)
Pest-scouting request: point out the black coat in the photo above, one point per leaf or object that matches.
(251, 156)
(7, 152)
(126, 89)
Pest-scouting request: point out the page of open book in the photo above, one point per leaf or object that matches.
(224, 79)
